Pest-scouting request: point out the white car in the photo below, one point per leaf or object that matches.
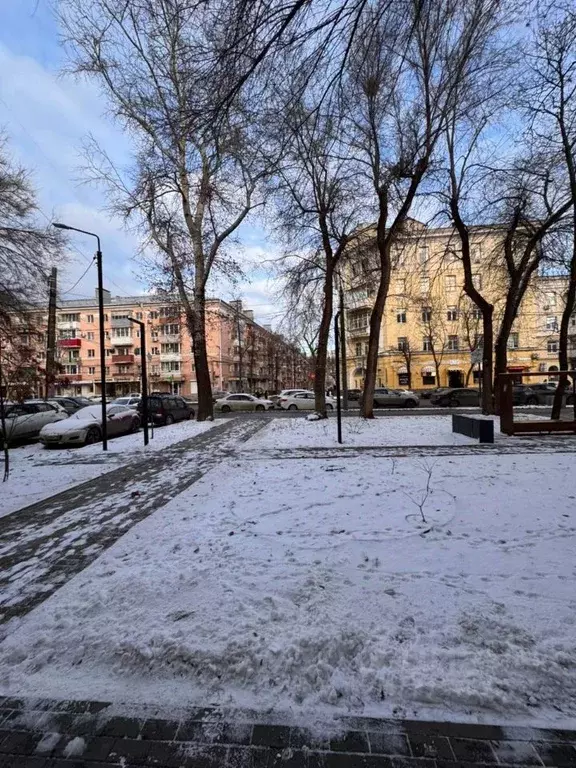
(242, 402)
(131, 401)
(24, 420)
(85, 426)
(303, 401)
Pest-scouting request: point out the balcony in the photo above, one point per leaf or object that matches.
(61, 377)
(171, 376)
(122, 358)
(67, 326)
(121, 341)
(69, 343)
(169, 338)
(168, 357)
(363, 330)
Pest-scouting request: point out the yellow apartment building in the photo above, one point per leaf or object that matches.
(431, 333)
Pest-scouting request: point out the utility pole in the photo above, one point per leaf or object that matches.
(343, 354)
(240, 351)
(144, 374)
(51, 334)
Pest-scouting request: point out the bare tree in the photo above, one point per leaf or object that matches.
(193, 182)
(317, 208)
(552, 106)
(406, 75)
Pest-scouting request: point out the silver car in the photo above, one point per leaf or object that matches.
(24, 420)
(304, 401)
(131, 401)
(242, 402)
(395, 398)
(85, 426)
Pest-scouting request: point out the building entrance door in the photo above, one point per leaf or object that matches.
(455, 379)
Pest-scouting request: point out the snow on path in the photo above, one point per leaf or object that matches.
(315, 587)
(37, 473)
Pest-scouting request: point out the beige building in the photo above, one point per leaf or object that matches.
(431, 334)
(242, 355)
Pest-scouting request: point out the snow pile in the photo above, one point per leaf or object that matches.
(383, 431)
(344, 585)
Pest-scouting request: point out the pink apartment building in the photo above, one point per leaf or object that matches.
(243, 355)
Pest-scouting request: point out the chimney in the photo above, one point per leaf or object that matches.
(106, 295)
(249, 314)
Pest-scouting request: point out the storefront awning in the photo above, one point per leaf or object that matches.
(402, 369)
(428, 370)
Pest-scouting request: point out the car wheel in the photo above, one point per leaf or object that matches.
(329, 407)
(191, 415)
(135, 426)
(531, 401)
(293, 407)
(92, 436)
(259, 408)
(409, 404)
(454, 403)
(169, 420)
(226, 409)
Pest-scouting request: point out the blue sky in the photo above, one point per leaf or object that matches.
(46, 116)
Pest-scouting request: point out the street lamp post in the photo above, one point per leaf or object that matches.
(101, 321)
(144, 374)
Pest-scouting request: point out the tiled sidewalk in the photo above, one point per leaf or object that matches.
(81, 734)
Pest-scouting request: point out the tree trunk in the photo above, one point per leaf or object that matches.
(563, 362)
(376, 322)
(205, 406)
(487, 365)
(322, 349)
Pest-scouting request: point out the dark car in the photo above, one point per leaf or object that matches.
(71, 404)
(354, 394)
(454, 397)
(166, 409)
(427, 394)
(539, 394)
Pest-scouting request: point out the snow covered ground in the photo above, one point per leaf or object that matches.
(388, 430)
(37, 473)
(315, 586)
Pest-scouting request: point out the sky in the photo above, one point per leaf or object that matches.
(46, 116)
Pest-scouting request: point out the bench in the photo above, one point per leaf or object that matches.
(473, 426)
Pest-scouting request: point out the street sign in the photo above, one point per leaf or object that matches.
(476, 355)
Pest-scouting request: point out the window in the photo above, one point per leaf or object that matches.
(402, 344)
(426, 314)
(550, 300)
(358, 349)
(401, 286)
(122, 333)
(137, 351)
(155, 351)
(89, 318)
(124, 368)
(428, 378)
(153, 315)
(171, 366)
(119, 316)
(427, 344)
(105, 318)
(71, 369)
(171, 329)
(452, 314)
(73, 354)
(358, 321)
(477, 280)
(108, 352)
(90, 335)
(476, 253)
(400, 315)
(138, 315)
(450, 282)
(552, 323)
(91, 353)
(70, 317)
(423, 255)
(513, 341)
(91, 370)
(425, 285)
(172, 348)
(552, 346)
(453, 343)
(66, 334)
(476, 313)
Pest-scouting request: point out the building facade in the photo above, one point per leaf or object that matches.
(242, 355)
(431, 333)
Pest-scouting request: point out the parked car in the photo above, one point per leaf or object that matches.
(426, 394)
(218, 394)
(304, 401)
(165, 409)
(284, 393)
(395, 398)
(85, 426)
(354, 394)
(70, 404)
(130, 401)
(240, 401)
(454, 397)
(25, 420)
(539, 394)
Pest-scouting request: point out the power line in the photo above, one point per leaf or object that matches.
(79, 279)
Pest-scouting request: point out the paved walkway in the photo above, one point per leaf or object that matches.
(47, 543)
(89, 734)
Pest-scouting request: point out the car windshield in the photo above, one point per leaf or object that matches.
(122, 400)
(15, 410)
(82, 401)
(91, 412)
